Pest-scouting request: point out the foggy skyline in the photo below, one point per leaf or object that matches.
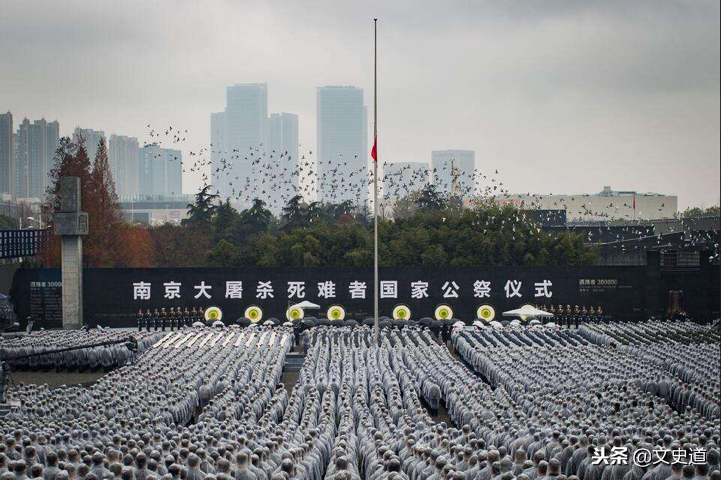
(559, 98)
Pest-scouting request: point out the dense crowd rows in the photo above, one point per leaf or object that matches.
(22, 351)
(208, 403)
(687, 352)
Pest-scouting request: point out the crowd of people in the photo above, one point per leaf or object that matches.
(206, 403)
(79, 348)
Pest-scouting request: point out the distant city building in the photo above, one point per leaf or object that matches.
(606, 205)
(240, 133)
(155, 209)
(160, 171)
(400, 179)
(342, 145)
(35, 145)
(454, 169)
(219, 154)
(92, 139)
(281, 179)
(7, 154)
(124, 157)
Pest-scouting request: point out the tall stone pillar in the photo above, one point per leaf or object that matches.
(71, 224)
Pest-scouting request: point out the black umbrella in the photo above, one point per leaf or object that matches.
(447, 323)
(425, 321)
(399, 323)
(323, 321)
(369, 321)
(351, 323)
(505, 323)
(244, 322)
(384, 323)
(308, 323)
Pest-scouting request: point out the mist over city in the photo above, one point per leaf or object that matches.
(559, 98)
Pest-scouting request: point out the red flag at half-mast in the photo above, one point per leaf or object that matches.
(374, 151)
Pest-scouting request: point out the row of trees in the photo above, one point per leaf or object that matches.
(111, 242)
(485, 235)
(429, 230)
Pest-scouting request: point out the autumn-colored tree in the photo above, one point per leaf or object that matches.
(180, 246)
(103, 244)
(110, 242)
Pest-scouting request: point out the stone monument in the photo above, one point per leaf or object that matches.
(71, 224)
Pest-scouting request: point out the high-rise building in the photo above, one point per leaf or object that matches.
(91, 137)
(280, 181)
(160, 171)
(124, 157)
(342, 145)
(242, 130)
(400, 179)
(453, 172)
(219, 154)
(35, 147)
(7, 154)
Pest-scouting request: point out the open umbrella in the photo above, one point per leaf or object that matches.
(306, 305)
(526, 312)
(369, 321)
(351, 323)
(243, 321)
(425, 321)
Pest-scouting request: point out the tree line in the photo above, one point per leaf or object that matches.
(429, 229)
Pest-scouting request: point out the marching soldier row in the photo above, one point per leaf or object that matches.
(575, 316)
(174, 319)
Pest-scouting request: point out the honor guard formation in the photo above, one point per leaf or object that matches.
(523, 402)
(173, 319)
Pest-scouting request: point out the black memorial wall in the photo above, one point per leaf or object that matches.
(112, 297)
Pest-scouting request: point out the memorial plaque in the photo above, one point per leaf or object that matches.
(46, 303)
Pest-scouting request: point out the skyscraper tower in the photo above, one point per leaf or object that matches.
(453, 172)
(342, 145)
(124, 157)
(244, 126)
(7, 154)
(281, 179)
(92, 139)
(34, 155)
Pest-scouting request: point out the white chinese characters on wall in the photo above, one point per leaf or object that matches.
(357, 290)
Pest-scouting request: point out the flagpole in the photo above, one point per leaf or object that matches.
(375, 182)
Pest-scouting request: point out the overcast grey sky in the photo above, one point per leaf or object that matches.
(559, 96)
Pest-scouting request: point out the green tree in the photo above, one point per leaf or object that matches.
(294, 213)
(9, 223)
(257, 216)
(712, 211)
(202, 210)
(429, 199)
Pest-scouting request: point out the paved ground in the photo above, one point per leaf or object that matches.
(55, 379)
